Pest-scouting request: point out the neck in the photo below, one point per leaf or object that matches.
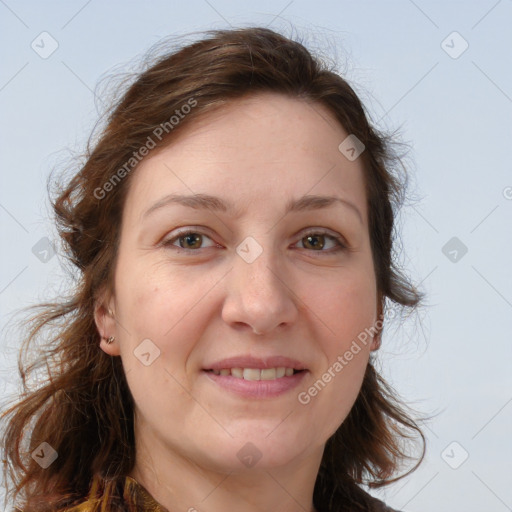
(177, 483)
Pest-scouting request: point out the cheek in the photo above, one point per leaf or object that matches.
(164, 306)
(155, 306)
(346, 311)
(144, 302)
(346, 306)
(147, 292)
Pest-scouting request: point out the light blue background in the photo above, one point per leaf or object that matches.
(454, 357)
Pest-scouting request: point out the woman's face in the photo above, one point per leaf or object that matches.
(255, 290)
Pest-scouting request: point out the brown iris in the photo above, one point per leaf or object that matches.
(314, 245)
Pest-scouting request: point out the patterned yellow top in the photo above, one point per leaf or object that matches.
(128, 495)
(124, 494)
(131, 494)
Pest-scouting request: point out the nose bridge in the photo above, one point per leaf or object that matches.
(255, 267)
(257, 294)
(260, 273)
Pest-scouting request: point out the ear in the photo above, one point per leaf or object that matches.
(377, 338)
(104, 317)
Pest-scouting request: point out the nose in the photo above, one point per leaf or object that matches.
(260, 295)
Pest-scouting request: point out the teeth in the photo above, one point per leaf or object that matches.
(237, 372)
(268, 374)
(256, 373)
(252, 374)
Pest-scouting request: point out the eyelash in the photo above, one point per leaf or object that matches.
(181, 234)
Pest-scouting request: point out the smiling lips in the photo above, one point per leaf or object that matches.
(257, 377)
(256, 373)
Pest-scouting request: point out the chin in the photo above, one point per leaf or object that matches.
(257, 450)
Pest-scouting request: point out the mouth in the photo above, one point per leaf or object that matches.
(257, 373)
(257, 378)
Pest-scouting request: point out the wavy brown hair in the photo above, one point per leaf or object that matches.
(84, 409)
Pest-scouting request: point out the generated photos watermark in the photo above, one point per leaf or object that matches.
(304, 397)
(158, 134)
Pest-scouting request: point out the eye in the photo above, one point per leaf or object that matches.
(190, 239)
(316, 240)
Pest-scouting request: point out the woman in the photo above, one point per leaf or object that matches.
(233, 232)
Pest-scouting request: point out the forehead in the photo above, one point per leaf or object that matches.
(264, 149)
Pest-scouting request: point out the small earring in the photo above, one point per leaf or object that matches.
(110, 340)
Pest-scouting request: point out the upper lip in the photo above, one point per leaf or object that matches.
(256, 362)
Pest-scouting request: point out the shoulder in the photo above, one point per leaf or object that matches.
(119, 494)
(86, 506)
(379, 506)
(114, 495)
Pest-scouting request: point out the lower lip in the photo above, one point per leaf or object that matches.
(257, 388)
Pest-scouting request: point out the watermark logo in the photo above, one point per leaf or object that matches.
(45, 45)
(351, 148)
(249, 455)
(44, 455)
(454, 455)
(454, 249)
(454, 45)
(147, 352)
(249, 249)
(43, 250)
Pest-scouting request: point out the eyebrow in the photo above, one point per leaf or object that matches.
(209, 202)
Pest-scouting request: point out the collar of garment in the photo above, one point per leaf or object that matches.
(126, 491)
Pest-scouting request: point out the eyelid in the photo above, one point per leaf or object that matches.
(319, 231)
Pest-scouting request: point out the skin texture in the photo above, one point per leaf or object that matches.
(204, 305)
